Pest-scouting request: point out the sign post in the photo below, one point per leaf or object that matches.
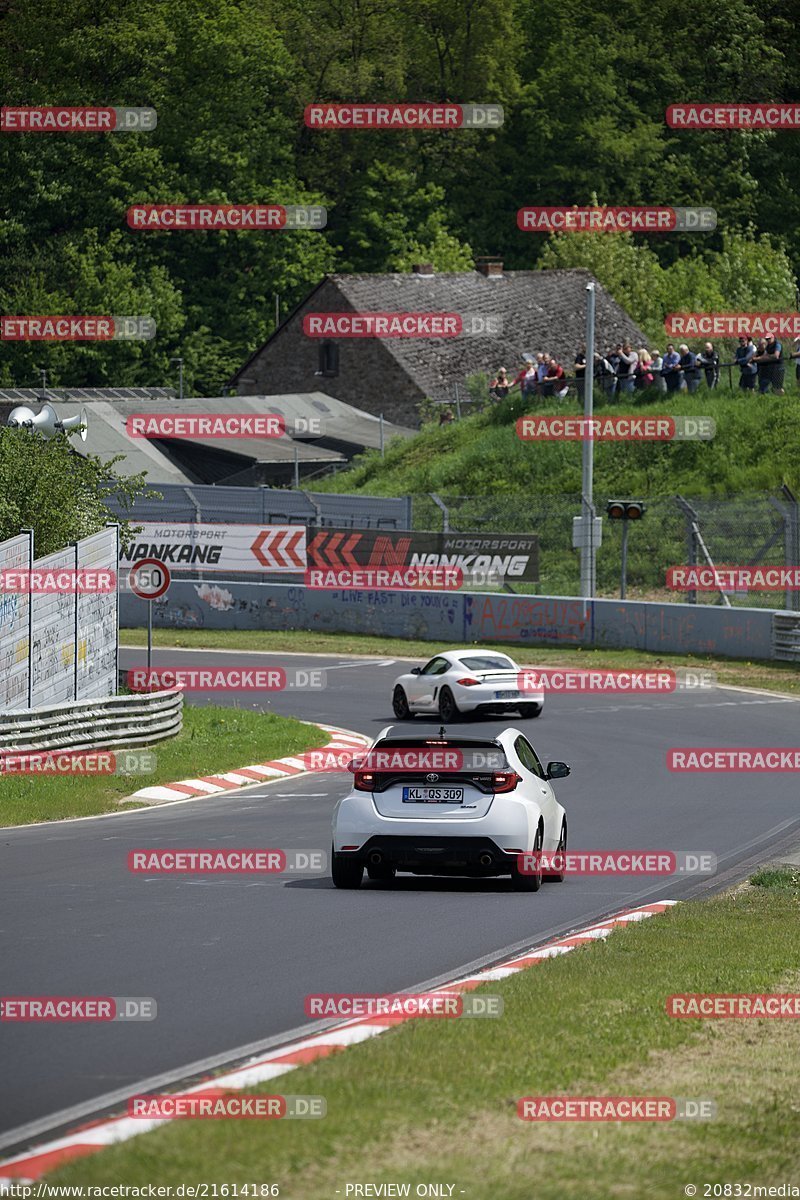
(149, 578)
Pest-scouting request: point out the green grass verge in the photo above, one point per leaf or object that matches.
(491, 480)
(780, 677)
(212, 740)
(752, 451)
(436, 1100)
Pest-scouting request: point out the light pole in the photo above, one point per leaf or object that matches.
(586, 529)
(179, 361)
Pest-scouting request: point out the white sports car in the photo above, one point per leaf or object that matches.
(458, 682)
(486, 802)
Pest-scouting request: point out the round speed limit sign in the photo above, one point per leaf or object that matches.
(149, 578)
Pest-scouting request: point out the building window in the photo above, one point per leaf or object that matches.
(329, 359)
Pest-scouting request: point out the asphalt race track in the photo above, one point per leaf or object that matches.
(230, 958)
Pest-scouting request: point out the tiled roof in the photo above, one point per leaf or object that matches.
(539, 310)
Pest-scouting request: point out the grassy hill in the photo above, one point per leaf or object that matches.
(492, 480)
(756, 448)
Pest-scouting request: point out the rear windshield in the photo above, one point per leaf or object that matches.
(418, 755)
(488, 662)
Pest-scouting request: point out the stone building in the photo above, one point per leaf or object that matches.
(536, 310)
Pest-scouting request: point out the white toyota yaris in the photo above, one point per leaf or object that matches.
(448, 805)
(460, 682)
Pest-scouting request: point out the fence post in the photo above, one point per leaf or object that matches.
(791, 525)
(695, 542)
(445, 511)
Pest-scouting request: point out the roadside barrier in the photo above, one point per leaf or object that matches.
(94, 724)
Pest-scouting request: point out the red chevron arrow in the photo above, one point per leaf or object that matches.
(281, 548)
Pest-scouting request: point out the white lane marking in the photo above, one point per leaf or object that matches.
(368, 659)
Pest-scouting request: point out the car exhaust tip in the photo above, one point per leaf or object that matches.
(485, 860)
(375, 858)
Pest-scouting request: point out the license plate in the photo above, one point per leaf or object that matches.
(433, 795)
(506, 695)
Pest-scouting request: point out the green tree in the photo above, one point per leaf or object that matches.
(46, 486)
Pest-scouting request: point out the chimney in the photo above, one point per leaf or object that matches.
(422, 268)
(492, 268)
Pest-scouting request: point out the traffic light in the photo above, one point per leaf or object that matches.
(625, 510)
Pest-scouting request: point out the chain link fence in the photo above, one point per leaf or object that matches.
(761, 529)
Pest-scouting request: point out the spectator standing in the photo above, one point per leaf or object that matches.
(745, 352)
(553, 382)
(604, 372)
(613, 360)
(644, 370)
(761, 368)
(446, 416)
(656, 363)
(500, 387)
(796, 354)
(770, 365)
(542, 363)
(671, 369)
(708, 359)
(691, 371)
(626, 371)
(580, 373)
(520, 375)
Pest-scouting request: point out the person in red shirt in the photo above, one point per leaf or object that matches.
(553, 383)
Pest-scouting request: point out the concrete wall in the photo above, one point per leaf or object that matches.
(462, 617)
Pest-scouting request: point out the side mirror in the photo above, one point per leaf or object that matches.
(415, 671)
(557, 770)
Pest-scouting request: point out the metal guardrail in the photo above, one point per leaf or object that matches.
(94, 724)
(786, 636)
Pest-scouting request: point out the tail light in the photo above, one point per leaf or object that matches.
(505, 781)
(468, 681)
(364, 781)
